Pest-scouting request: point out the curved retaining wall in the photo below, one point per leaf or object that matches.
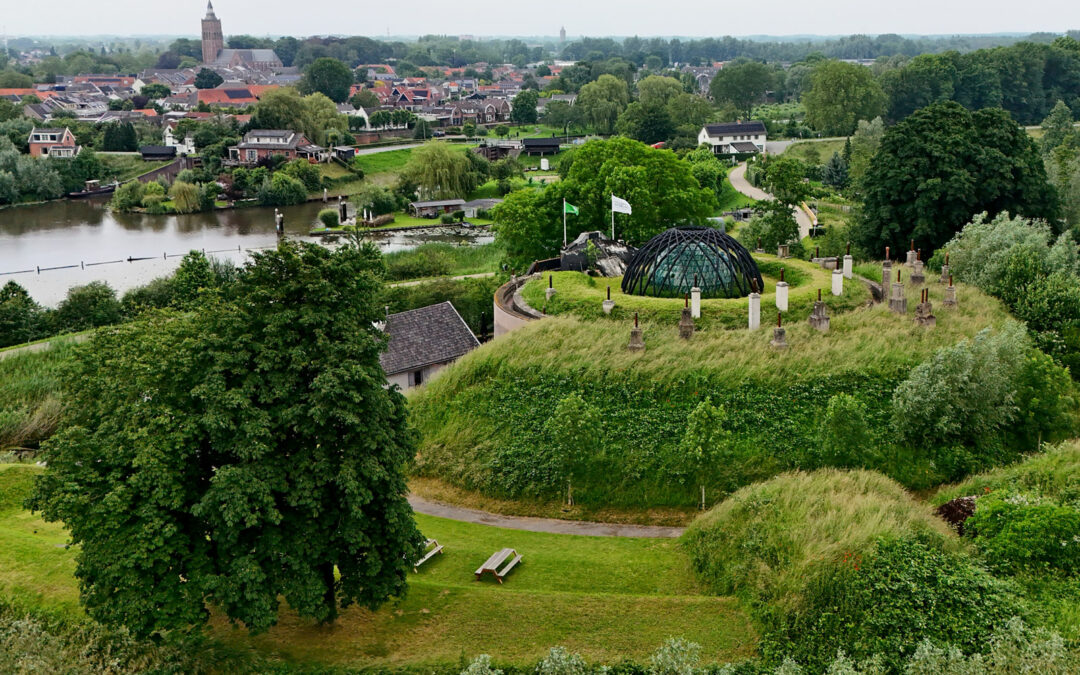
(510, 310)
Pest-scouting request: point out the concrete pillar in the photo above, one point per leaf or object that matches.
(911, 257)
(755, 311)
(782, 295)
(782, 251)
(917, 275)
(944, 275)
(897, 300)
(950, 296)
(686, 324)
(924, 311)
(695, 302)
(837, 282)
(779, 334)
(886, 277)
(637, 342)
(849, 264)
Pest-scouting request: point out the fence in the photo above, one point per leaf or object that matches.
(82, 264)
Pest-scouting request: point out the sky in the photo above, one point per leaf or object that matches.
(594, 18)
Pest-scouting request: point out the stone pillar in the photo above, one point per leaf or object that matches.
(755, 310)
(924, 311)
(637, 342)
(779, 334)
(686, 324)
(695, 302)
(945, 270)
(950, 295)
(849, 265)
(819, 317)
(782, 251)
(912, 255)
(897, 300)
(782, 293)
(608, 304)
(886, 276)
(917, 276)
(325, 195)
(837, 282)
(550, 289)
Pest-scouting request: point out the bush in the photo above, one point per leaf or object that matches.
(157, 294)
(185, 197)
(420, 263)
(305, 172)
(446, 219)
(329, 218)
(154, 204)
(128, 196)
(21, 319)
(282, 190)
(846, 440)
(675, 657)
(88, 306)
(1020, 533)
(559, 661)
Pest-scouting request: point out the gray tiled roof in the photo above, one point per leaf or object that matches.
(751, 127)
(425, 336)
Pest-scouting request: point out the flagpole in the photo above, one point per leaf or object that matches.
(612, 216)
(564, 222)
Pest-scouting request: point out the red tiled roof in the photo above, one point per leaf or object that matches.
(28, 91)
(147, 112)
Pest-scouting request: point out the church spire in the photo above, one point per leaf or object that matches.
(210, 9)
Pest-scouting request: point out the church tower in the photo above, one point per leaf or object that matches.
(562, 34)
(212, 41)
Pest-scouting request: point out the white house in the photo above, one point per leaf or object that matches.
(183, 147)
(734, 138)
(349, 110)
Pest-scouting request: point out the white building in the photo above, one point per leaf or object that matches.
(422, 342)
(185, 146)
(734, 138)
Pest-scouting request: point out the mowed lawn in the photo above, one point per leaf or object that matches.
(607, 598)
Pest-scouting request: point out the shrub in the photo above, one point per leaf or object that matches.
(185, 197)
(88, 306)
(305, 172)
(155, 295)
(846, 440)
(576, 432)
(329, 218)
(21, 319)
(675, 657)
(481, 665)
(154, 203)
(1020, 533)
(128, 196)
(446, 219)
(282, 190)
(560, 661)
(419, 263)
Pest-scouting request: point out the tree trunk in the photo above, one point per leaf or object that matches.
(330, 594)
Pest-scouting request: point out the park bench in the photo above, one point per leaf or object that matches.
(431, 547)
(499, 558)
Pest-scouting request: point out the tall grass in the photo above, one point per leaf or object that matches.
(30, 401)
(1052, 474)
(436, 259)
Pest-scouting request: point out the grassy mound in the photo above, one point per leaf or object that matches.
(581, 295)
(1054, 474)
(29, 399)
(488, 422)
(845, 560)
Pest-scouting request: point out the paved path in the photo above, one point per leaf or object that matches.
(549, 525)
(482, 275)
(739, 182)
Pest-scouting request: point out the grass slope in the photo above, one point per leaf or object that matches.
(29, 398)
(604, 597)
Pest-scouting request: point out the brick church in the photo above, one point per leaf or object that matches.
(214, 53)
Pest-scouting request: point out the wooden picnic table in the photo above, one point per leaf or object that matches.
(497, 559)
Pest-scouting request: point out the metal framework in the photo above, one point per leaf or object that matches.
(668, 263)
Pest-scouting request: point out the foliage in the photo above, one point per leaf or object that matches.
(1021, 533)
(470, 297)
(185, 197)
(441, 171)
(329, 218)
(128, 196)
(575, 432)
(481, 665)
(941, 166)
(314, 115)
(207, 79)
(282, 190)
(327, 76)
(30, 406)
(305, 172)
(290, 465)
(120, 137)
(523, 109)
(560, 661)
(192, 280)
(846, 440)
(835, 172)
(88, 306)
(21, 319)
(675, 657)
(602, 101)
(742, 85)
(646, 122)
(840, 95)
(705, 443)
(25, 178)
(773, 224)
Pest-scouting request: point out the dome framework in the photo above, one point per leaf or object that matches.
(667, 265)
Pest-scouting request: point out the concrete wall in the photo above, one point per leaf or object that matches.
(404, 380)
(509, 311)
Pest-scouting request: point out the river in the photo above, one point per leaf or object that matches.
(93, 243)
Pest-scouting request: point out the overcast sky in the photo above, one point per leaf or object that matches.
(581, 17)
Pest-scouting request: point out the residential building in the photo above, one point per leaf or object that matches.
(734, 138)
(261, 144)
(422, 342)
(52, 143)
(540, 146)
(184, 146)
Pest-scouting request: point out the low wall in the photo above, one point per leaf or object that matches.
(510, 311)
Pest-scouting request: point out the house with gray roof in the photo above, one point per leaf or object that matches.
(734, 138)
(424, 341)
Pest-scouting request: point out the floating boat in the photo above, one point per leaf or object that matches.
(93, 189)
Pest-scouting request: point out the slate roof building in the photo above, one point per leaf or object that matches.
(733, 138)
(214, 53)
(260, 144)
(423, 342)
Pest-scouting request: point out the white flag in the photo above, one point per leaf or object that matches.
(620, 205)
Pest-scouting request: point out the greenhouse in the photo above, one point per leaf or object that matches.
(669, 264)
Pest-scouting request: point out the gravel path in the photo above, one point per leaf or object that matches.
(549, 525)
(739, 182)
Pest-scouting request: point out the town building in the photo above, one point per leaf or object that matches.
(422, 342)
(52, 143)
(734, 138)
(215, 55)
(262, 144)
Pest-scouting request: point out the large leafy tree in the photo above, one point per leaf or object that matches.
(523, 110)
(602, 102)
(646, 122)
(742, 85)
(329, 77)
(207, 79)
(840, 95)
(236, 456)
(440, 171)
(942, 165)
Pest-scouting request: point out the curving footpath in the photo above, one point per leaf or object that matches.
(737, 177)
(549, 525)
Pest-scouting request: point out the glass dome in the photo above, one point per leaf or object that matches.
(667, 265)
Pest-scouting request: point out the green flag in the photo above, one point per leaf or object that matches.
(569, 208)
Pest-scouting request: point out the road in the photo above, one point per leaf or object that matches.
(739, 182)
(549, 525)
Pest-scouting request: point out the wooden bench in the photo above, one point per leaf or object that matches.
(495, 564)
(431, 547)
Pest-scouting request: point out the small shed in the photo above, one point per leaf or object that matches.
(157, 153)
(344, 152)
(540, 146)
(424, 341)
(433, 209)
(473, 207)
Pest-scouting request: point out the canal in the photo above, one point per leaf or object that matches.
(91, 243)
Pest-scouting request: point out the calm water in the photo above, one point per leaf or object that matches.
(83, 232)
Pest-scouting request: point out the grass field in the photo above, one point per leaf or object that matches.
(437, 259)
(390, 161)
(803, 150)
(608, 598)
(29, 400)
(582, 295)
(126, 167)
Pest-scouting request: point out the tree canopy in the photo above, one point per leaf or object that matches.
(742, 85)
(239, 455)
(329, 77)
(944, 164)
(603, 101)
(440, 171)
(840, 95)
